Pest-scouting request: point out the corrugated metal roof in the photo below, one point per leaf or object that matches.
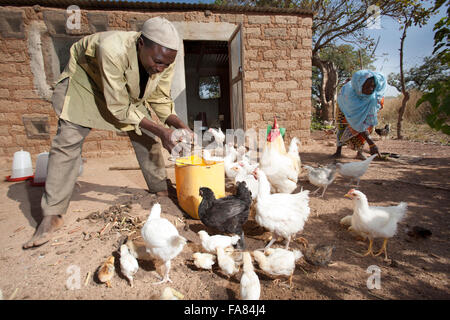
(153, 6)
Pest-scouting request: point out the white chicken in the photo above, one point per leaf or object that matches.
(283, 214)
(354, 170)
(162, 239)
(278, 262)
(281, 168)
(321, 177)
(375, 221)
(250, 180)
(250, 288)
(226, 262)
(204, 260)
(219, 136)
(211, 243)
(230, 164)
(128, 263)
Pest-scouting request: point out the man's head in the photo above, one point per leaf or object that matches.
(158, 45)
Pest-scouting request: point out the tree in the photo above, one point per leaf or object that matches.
(334, 20)
(421, 77)
(412, 12)
(347, 60)
(438, 94)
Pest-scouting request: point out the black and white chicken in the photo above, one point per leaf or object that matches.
(383, 132)
(227, 214)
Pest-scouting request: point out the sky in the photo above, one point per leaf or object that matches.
(418, 43)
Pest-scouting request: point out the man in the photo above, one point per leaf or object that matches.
(109, 83)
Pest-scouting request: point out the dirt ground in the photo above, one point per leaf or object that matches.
(418, 268)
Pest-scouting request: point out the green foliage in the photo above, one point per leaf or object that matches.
(439, 99)
(421, 77)
(441, 36)
(318, 124)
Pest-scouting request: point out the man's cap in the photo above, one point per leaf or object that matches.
(161, 31)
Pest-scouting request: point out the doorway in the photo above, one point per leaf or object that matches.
(207, 83)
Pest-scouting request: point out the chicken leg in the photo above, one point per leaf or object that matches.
(166, 274)
(369, 250)
(383, 248)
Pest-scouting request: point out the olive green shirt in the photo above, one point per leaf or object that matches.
(103, 91)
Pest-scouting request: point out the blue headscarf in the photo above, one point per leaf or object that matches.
(360, 109)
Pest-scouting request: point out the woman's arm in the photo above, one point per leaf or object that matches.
(372, 145)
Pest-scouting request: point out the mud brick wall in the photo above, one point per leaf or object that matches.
(277, 71)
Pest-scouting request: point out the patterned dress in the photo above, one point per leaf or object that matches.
(346, 135)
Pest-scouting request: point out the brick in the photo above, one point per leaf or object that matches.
(252, 116)
(295, 94)
(291, 84)
(274, 75)
(4, 94)
(253, 54)
(252, 31)
(268, 116)
(285, 106)
(261, 65)
(232, 18)
(300, 32)
(275, 95)
(259, 106)
(300, 73)
(259, 19)
(286, 19)
(307, 22)
(252, 96)
(269, 54)
(261, 85)
(286, 43)
(301, 53)
(306, 43)
(15, 81)
(258, 43)
(6, 141)
(307, 83)
(275, 32)
(287, 64)
(251, 75)
(7, 68)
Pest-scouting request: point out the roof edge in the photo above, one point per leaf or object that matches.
(139, 5)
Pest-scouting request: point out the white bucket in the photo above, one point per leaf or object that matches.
(41, 168)
(22, 166)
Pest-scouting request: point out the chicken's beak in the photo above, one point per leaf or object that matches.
(348, 195)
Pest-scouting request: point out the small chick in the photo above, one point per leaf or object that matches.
(278, 262)
(204, 260)
(250, 287)
(320, 255)
(171, 294)
(226, 262)
(419, 232)
(128, 263)
(321, 177)
(211, 243)
(106, 271)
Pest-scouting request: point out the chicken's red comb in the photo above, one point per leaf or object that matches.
(275, 124)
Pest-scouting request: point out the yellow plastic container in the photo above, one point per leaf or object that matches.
(192, 173)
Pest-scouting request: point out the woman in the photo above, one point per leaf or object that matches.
(358, 104)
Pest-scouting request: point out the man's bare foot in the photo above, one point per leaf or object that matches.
(44, 231)
(336, 155)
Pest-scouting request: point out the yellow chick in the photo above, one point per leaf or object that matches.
(171, 294)
(204, 260)
(106, 271)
